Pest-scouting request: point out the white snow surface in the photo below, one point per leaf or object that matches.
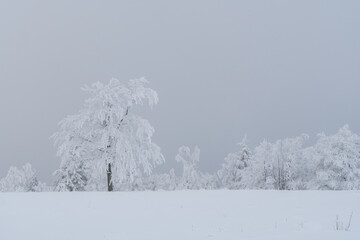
(220, 214)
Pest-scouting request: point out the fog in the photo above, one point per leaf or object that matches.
(222, 69)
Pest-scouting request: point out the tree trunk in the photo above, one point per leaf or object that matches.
(109, 181)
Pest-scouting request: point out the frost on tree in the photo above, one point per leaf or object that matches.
(189, 161)
(107, 132)
(165, 181)
(71, 176)
(21, 180)
(277, 165)
(337, 161)
(74, 149)
(192, 178)
(232, 171)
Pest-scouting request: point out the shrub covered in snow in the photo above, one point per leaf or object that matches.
(336, 161)
(21, 180)
(233, 169)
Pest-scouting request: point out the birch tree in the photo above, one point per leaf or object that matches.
(108, 131)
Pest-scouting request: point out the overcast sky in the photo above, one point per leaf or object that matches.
(268, 69)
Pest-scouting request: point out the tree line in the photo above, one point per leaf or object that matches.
(107, 146)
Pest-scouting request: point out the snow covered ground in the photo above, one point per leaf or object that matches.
(182, 215)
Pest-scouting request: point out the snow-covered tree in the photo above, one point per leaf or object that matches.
(96, 177)
(336, 161)
(73, 148)
(71, 176)
(277, 165)
(256, 175)
(232, 170)
(192, 178)
(165, 181)
(209, 181)
(107, 130)
(191, 175)
(21, 180)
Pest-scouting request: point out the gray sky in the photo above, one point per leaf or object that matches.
(270, 69)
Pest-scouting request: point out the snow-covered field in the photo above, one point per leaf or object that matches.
(182, 215)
